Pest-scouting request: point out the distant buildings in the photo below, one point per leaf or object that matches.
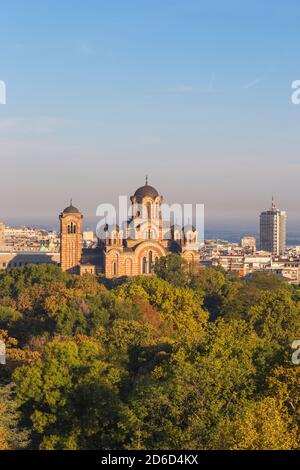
(273, 230)
(248, 244)
(20, 246)
(2, 232)
(88, 237)
(27, 239)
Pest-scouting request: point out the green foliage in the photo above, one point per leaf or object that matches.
(181, 359)
(72, 397)
(174, 269)
(212, 286)
(12, 434)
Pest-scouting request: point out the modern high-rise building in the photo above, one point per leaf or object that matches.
(273, 230)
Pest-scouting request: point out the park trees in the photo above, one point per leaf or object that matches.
(148, 363)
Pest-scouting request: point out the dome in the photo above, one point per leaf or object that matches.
(71, 210)
(146, 191)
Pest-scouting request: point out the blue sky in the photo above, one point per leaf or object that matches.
(196, 94)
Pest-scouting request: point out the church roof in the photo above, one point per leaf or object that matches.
(145, 191)
(71, 209)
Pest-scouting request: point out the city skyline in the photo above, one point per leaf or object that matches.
(222, 231)
(198, 97)
(241, 224)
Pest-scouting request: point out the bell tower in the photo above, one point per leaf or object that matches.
(70, 239)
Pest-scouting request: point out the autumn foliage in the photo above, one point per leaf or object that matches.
(193, 359)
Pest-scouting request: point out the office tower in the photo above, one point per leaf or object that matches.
(273, 230)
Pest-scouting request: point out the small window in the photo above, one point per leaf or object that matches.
(114, 268)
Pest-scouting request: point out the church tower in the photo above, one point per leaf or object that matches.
(70, 239)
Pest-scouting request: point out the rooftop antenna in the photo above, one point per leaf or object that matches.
(146, 180)
(273, 202)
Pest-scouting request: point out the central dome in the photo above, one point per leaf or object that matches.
(146, 191)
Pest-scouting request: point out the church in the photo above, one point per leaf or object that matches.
(130, 250)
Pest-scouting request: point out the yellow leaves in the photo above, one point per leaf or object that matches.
(41, 419)
(8, 340)
(57, 297)
(265, 425)
(164, 297)
(16, 356)
(54, 295)
(28, 298)
(131, 290)
(21, 356)
(3, 436)
(88, 285)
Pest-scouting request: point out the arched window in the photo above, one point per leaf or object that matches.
(114, 268)
(150, 258)
(71, 228)
(144, 265)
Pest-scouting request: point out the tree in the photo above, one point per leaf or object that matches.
(284, 384)
(180, 308)
(12, 435)
(214, 287)
(71, 397)
(184, 400)
(174, 269)
(263, 425)
(276, 317)
(140, 366)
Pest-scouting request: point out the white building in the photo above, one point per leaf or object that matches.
(273, 230)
